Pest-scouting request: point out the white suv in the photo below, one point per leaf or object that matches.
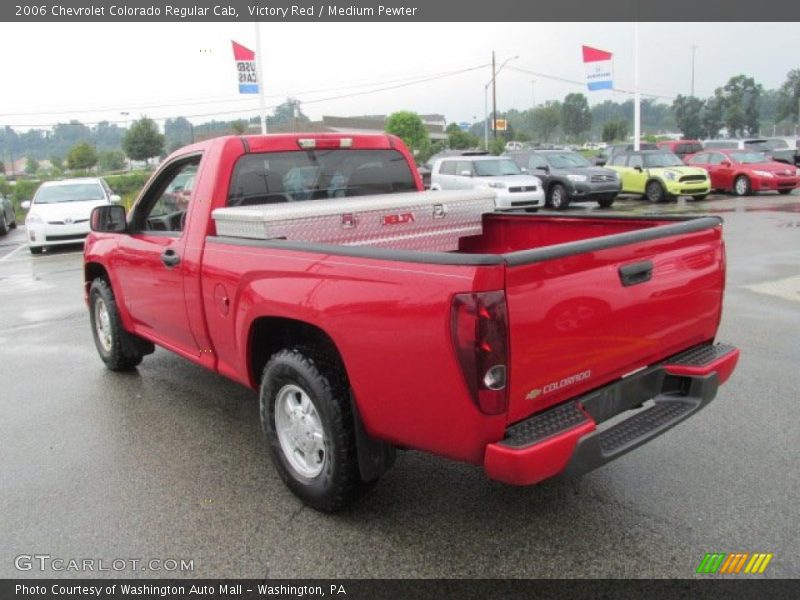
(59, 212)
(513, 188)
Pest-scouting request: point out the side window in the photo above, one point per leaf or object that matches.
(715, 158)
(164, 207)
(618, 160)
(448, 167)
(635, 160)
(701, 158)
(462, 166)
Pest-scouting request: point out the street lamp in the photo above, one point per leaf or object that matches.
(486, 101)
(126, 114)
(694, 49)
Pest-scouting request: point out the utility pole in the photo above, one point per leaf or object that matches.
(694, 48)
(126, 114)
(494, 98)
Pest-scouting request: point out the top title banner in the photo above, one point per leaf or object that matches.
(403, 11)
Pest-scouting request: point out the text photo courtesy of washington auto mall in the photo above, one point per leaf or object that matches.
(361, 301)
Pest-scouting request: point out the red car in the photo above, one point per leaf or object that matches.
(681, 148)
(745, 171)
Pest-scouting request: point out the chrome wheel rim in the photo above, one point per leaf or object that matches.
(300, 432)
(741, 186)
(557, 198)
(102, 324)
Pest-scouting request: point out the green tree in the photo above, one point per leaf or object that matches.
(459, 139)
(576, 118)
(622, 129)
(239, 127)
(288, 113)
(609, 132)
(81, 156)
(2, 167)
(688, 112)
(143, 140)
(409, 127)
(740, 105)
(789, 101)
(497, 146)
(111, 160)
(713, 115)
(546, 119)
(57, 162)
(31, 166)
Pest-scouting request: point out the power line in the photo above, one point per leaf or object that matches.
(219, 99)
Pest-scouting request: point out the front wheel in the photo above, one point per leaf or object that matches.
(606, 201)
(36, 249)
(559, 199)
(308, 423)
(655, 192)
(699, 198)
(741, 187)
(3, 224)
(117, 348)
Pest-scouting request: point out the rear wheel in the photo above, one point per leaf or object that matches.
(559, 199)
(741, 187)
(3, 224)
(36, 249)
(655, 192)
(606, 201)
(307, 420)
(116, 346)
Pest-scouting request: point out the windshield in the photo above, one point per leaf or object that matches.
(567, 160)
(495, 168)
(667, 159)
(777, 144)
(73, 192)
(749, 158)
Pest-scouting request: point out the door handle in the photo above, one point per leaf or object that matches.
(636, 273)
(170, 258)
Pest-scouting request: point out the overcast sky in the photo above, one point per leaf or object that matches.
(92, 72)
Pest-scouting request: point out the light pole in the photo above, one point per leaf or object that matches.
(694, 49)
(486, 101)
(126, 114)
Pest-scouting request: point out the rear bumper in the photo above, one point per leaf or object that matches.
(775, 183)
(583, 434)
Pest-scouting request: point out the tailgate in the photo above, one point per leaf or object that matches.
(586, 313)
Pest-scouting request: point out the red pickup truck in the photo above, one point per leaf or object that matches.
(534, 345)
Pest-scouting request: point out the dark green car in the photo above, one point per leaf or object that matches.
(8, 219)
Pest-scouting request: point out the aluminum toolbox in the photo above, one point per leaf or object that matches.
(426, 221)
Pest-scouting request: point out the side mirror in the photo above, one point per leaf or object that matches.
(115, 199)
(25, 204)
(108, 219)
(545, 168)
(725, 163)
(638, 168)
(466, 173)
(523, 169)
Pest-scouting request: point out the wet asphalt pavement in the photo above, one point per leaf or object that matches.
(168, 462)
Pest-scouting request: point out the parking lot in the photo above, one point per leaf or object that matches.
(168, 462)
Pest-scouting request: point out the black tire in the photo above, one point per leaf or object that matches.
(36, 249)
(558, 197)
(655, 192)
(325, 385)
(699, 198)
(741, 186)
(606, 201)
(3, 224)
(785, 192)
(118, 349)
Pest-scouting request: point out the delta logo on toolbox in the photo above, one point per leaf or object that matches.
(720, 563)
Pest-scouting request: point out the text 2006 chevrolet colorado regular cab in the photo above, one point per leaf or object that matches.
(533, 345)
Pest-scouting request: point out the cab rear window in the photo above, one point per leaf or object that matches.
(274, 177)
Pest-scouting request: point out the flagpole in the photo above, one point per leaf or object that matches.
(260, 74)
(637, 116)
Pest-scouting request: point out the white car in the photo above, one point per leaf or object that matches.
(59, 212)
(513, 188)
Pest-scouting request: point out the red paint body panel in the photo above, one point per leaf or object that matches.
(723, 176)
(391, 319)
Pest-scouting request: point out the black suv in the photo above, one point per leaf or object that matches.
(568, 177)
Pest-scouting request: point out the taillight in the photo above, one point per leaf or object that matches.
(479, 326)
